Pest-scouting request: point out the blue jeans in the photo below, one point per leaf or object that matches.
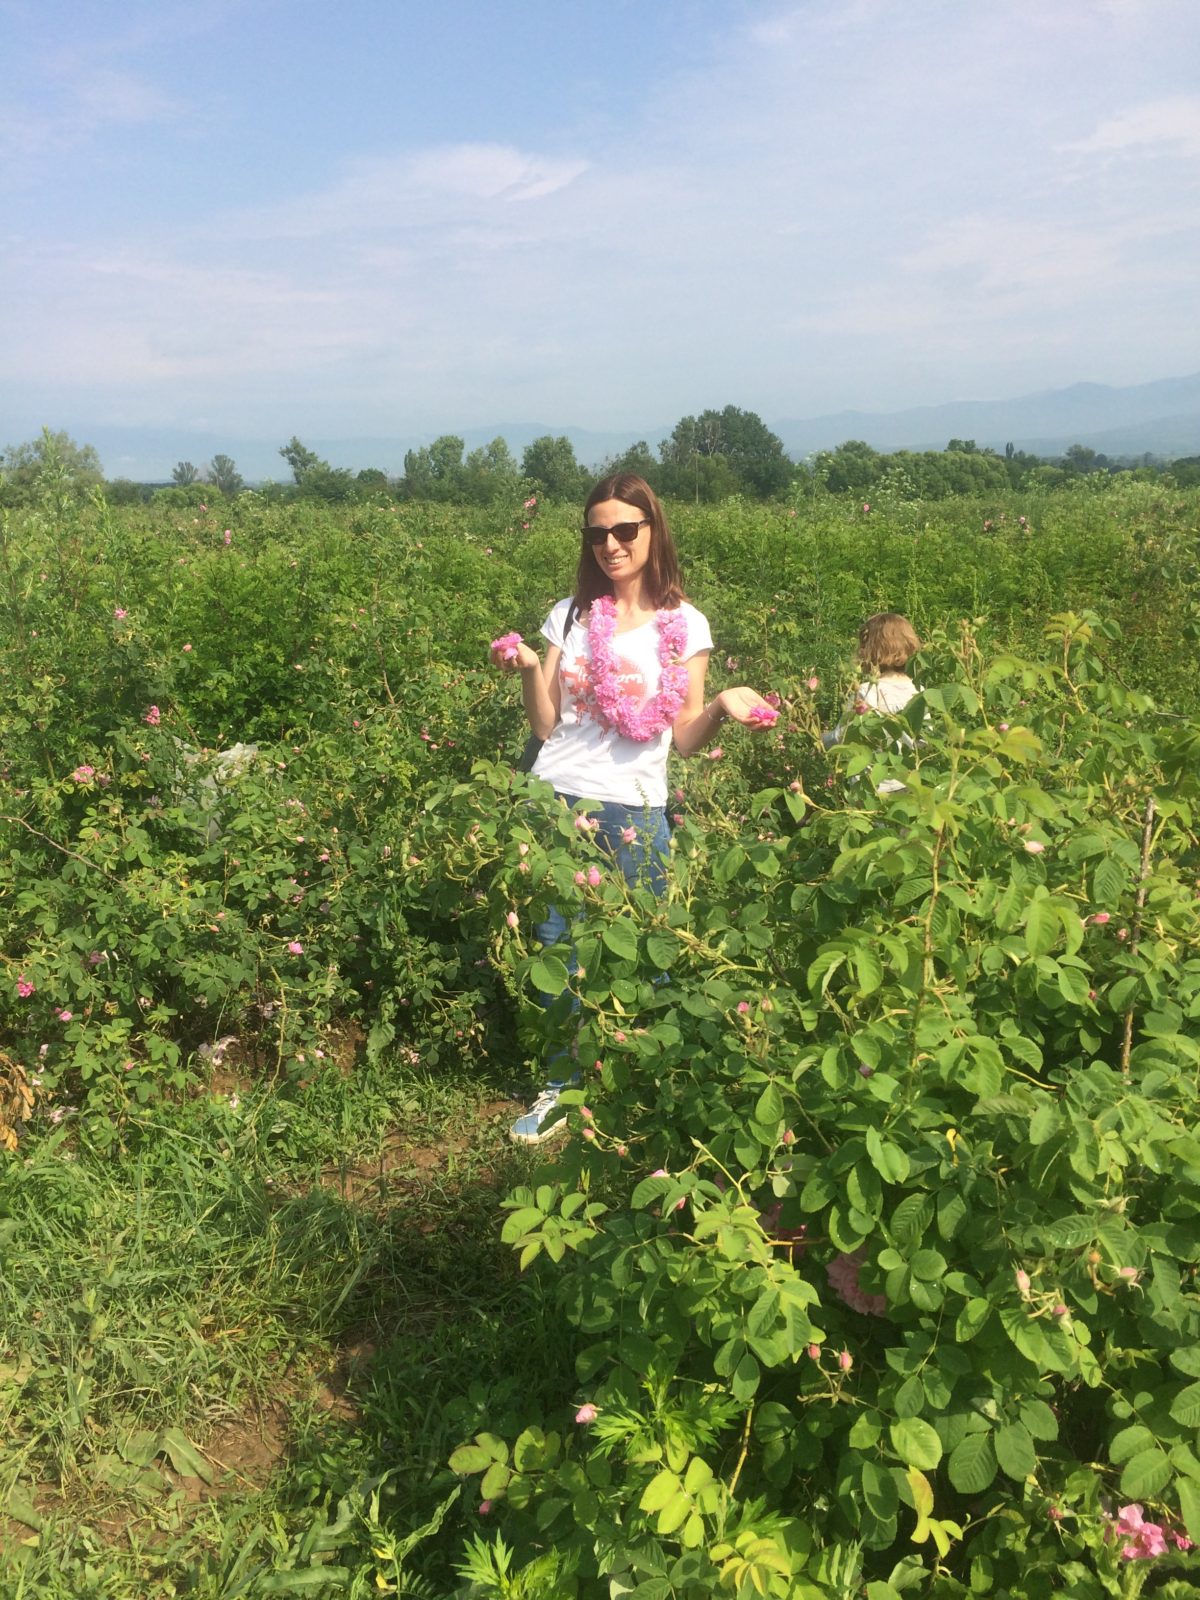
(644, 861)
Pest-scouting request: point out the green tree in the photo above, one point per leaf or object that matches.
(371, 480)
(300, 458)
(640, 459)
(53, 466)
(490, 474)
(225, 476)
(183, 472)
(754, 456)
(853, 468)
(434, 472)
(125, 492)
(550, 466)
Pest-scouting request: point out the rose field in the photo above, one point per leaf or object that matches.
(867, 1263)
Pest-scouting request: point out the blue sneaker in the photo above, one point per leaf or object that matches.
(544, 1118)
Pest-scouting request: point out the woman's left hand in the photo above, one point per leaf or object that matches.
(748, 707)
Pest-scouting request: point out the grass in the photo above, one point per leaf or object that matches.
(247, 1346)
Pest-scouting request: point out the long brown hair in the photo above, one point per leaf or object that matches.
(663, 581)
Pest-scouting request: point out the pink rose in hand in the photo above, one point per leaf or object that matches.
(506, 646)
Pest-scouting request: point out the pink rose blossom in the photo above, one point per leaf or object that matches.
(227, 536)
(505, 647)
(866, 505)
(1147, 1539)
(324, 856)
(153, 717)
(512, 919)
(581, 878)
(120, 613)
(295, 948)
(65, 1016)
(24, 987)
(864, 1071)
(743, 1006)
(84, 774)
(589, 1133)
(629, 835)
(660, 1172)
(845, 1360)
(1101, 917)
(789, 1136)
(1034, 846)
(485, 1507)
(716, 753)
(585, 1414)
(619, 1036)
(764, 716)
(814, 1352)
(186, 649)
(1122, 934)
(1022, 1281)
(593, 877)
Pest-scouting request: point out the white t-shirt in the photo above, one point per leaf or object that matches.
(582, 756)
(889, 695)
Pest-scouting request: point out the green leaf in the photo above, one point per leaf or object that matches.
(469, 1458)
(971, 1319)
(548, 974)
(1039, 1419)
(1185, 1407)
(663, 949)
(912, 1217)
(1108, 883)
(972, 1463)
(1015, 1451)
(1073, 985)
(664, 1486)
(1189, 1505)
(879, 1491)
(1128, 1442)
(305, 1580)
(916, 1442)
(928, 1264)
(620, 936)
(1146, 1474)
(184, 1456)
(1042, 928)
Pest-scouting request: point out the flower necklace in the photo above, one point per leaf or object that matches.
(618, 710)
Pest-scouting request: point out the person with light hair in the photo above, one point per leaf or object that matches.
(887, 642)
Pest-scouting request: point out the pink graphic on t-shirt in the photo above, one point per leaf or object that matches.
(577, 681)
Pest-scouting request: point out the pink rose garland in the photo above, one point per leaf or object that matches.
(614, 708)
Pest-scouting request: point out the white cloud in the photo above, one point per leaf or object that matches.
(1171, 123)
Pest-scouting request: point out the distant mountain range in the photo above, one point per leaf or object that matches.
(1162, 418)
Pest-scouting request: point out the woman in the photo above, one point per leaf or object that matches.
(623, 678)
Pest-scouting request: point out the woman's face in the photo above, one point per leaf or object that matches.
(616, 559)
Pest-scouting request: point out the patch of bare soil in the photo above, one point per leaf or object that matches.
(403, 1166)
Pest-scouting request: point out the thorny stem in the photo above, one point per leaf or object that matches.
(37, 832)
(741, 1460)
(1139, 904)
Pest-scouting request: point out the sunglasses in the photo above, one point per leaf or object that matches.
(626, 532)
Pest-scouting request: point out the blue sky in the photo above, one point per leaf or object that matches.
(267, 217)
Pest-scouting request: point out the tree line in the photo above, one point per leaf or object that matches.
(706, 458)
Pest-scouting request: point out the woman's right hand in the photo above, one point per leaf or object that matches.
(516, 657)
